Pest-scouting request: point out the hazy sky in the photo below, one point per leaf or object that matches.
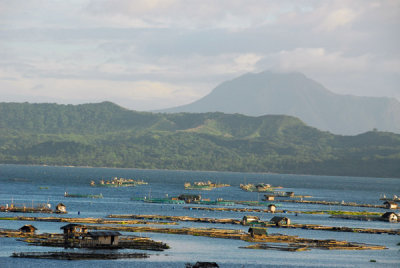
(151, 54)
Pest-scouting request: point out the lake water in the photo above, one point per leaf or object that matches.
(22, 185)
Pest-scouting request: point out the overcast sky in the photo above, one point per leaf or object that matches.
(153, 54)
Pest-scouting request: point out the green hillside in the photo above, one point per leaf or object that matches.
(105, 134)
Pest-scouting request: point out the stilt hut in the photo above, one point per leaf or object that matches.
(258, 231)
(61, 208)
(247, 220)
(391, 217)
(290, 194)
(271, 208)
(201, 264)
(189, 198)
(73, 230)
(28, 229)
(279, 221)
(390, 205)
(101, 239)
(73, 234)
(268, 197)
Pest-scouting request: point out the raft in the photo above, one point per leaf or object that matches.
(62, 255)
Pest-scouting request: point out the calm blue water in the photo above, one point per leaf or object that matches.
(22, 185)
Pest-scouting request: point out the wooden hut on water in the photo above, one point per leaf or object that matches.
(258, 231)
(72, 230)
(271, 208)
(28, 229)
(279, 221)
(269, 197)
(76, 235)
(390, 205)
(189, 198)
(391, 217)
(201, 264)
(73, 234)
(61, 208)
(289, 194)
(101, 239)
(247, 220)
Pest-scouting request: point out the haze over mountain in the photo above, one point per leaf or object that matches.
(295, 94)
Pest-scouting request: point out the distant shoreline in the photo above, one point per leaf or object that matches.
(200, 171)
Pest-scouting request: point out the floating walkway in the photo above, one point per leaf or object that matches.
(275, 247)
(176, 218)
(328, 212)
(125, 242)
(58, 240)
(241, 235)
(333, 203)
(82, 220)
(263, 223)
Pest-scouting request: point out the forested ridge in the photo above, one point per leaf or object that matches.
(105, 134)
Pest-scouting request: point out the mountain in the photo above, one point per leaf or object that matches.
(295, 94)
(107, 135)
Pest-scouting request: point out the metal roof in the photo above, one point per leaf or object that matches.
(104, 233)
(71, 225)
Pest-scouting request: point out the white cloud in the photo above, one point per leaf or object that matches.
(337, 18)
(226, 14)
(318, 60)
(390, 66)
(141, 95)
(175, 51)
(247, 62)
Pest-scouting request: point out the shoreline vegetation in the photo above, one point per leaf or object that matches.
(183, 170)
(106, 135)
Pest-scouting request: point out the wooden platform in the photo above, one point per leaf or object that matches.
(61, 255)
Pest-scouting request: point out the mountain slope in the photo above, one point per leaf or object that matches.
(105, 134)
(296, 95)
